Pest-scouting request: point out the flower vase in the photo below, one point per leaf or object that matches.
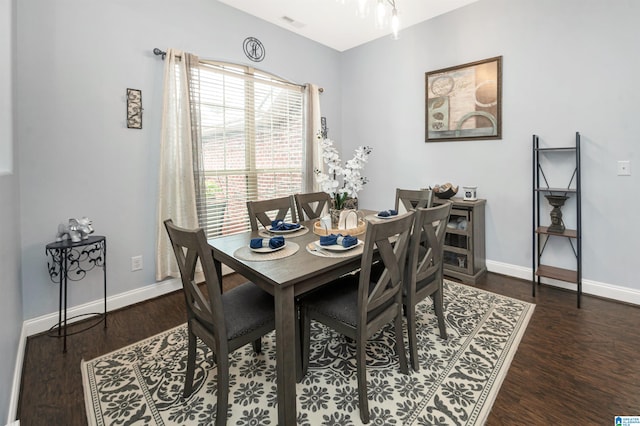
(335, 217)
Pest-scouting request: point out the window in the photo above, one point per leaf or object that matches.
(251, 143)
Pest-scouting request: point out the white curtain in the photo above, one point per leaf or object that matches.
(314, 160)
(177, 197)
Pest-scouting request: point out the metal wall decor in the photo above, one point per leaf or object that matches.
(134, 109)
(464, 102)
(254, 49)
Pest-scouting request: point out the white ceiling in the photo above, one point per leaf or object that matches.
(335, 23)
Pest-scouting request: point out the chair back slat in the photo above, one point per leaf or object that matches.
(391, 239)
(410, 199)
(191, 248)
(262, 211)
(311, 205)
(427, 242)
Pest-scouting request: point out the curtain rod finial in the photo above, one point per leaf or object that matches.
(159, 52)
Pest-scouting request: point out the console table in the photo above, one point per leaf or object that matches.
(71, 261)
(464, 246)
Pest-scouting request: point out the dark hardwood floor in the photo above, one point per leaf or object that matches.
(573, 366)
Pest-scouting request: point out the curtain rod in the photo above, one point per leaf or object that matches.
(162, 53)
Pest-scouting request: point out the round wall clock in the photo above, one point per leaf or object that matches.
(254, 49)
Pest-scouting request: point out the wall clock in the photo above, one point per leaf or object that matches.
(254, 49)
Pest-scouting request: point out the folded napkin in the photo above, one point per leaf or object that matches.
(274, 242)
(387, 213)
(339, 239)
(279, 225)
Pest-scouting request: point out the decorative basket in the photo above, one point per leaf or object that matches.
(318, 229)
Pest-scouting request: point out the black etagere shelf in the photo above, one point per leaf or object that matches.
(542, 230)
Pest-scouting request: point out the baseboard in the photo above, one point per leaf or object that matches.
(45, 322)
(594, 288)
(17, 379)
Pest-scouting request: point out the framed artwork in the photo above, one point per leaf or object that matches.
(464, 102)
(134, 109)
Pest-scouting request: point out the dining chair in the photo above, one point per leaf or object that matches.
(410, 199)
(311, 205)
(357, 307)
(223, 321)
(283, 207)
(423, 275)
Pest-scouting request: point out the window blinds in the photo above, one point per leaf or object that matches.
(251, 143)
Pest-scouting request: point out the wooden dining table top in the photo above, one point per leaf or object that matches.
(303, 269)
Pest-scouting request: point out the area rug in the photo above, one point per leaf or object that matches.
(458, 380)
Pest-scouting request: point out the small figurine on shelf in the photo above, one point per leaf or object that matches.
(77, 230)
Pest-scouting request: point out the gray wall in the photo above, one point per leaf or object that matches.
(567, 66)
(76, 60)
(11, 291)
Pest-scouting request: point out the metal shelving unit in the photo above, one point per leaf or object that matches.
(542, 233)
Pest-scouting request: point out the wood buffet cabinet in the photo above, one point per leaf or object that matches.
(464, 250)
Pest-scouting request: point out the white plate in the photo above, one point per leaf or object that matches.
(285, 231)
(266, 249)
(338, 247)
(386, 217)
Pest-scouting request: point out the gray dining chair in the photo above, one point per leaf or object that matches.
(357, 307)
(265, 211)
(311, 205)
(223, 321)
(423, 275)
(410, 199)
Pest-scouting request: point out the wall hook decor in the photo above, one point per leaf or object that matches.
(134, 109)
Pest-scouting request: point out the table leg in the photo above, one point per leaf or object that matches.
(286, 354)
(66, 265)
(104, 276)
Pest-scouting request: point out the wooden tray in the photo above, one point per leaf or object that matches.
(318, 229)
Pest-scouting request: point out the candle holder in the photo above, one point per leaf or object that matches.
(556, 201)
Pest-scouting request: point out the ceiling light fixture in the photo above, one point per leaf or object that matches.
(382, 17)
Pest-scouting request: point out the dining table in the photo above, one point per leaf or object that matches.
(286, 276)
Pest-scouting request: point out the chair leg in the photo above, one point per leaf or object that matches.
(363, 399)
(438, 305)
(191, 364)
(410, 311)
(222, 361)
(257, 345)
(402, 356)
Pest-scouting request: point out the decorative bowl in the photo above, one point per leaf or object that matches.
(445, 191)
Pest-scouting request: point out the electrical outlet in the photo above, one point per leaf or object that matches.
(136, 263)
(624, 168)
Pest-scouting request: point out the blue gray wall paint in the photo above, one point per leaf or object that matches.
(77, 156)
(568, 66)
(10, 288)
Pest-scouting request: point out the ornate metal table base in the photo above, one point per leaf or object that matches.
(72, 261)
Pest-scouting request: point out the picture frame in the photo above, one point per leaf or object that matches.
(464, 102)
(134, 109)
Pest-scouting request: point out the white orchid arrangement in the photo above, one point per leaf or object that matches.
(352, 180)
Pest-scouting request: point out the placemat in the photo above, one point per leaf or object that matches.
(313, 249)
(266, 234)
(245, 253)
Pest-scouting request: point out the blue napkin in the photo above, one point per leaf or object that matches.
(339, 239)
(279, 225)
(274, 242)
(387, 213)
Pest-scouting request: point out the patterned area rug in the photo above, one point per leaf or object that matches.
(458, 380)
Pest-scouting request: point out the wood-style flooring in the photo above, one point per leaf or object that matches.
(573, 366)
